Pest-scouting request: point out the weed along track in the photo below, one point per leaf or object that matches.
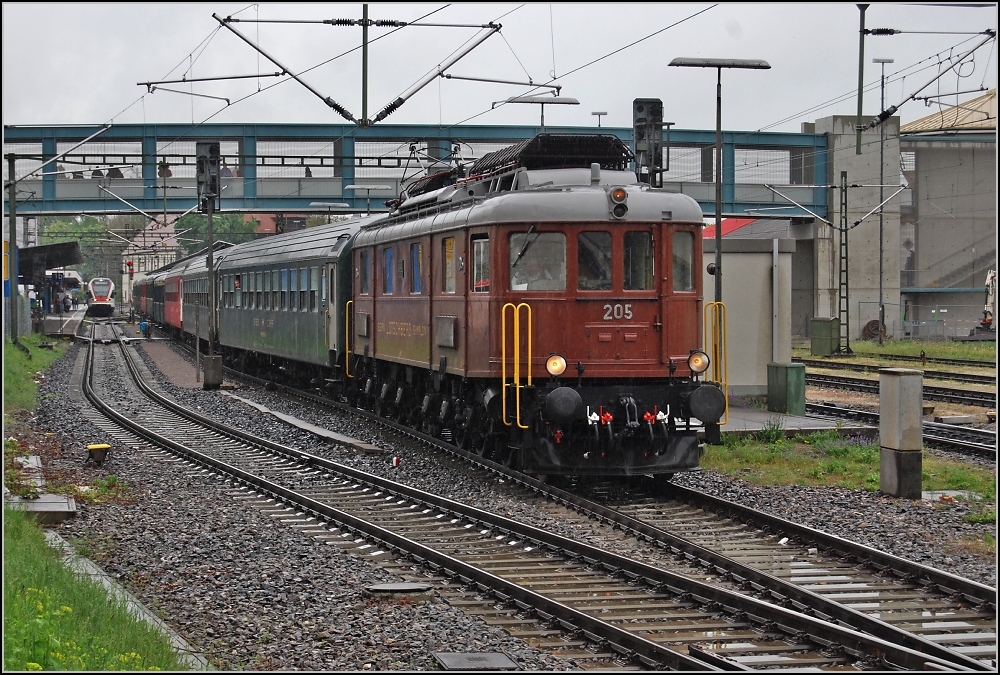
(666, 601)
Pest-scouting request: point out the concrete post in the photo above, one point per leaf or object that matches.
(212, 372)
(901, 437)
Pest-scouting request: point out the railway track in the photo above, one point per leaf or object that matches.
(974, 363)
(952, 437)
(642, 613)
(820, 561)
(930, 374)
(945, 394)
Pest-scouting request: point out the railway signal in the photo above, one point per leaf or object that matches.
(131, 271)
(207, 174)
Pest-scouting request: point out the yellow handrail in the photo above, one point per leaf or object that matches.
(715, 314)
(347, 339)
(516, 381)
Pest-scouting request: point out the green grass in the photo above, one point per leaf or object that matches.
(21, 374)
(54, 620)
(941, 349)
(828, 458)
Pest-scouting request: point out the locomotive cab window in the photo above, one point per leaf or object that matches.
(683, 261)
(593, 261)
(637, 261)
(480, 265)
(537, 261)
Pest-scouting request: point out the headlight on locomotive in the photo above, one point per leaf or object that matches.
(555, 365)
(698, 362)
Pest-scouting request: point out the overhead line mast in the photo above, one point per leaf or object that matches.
(365, 23)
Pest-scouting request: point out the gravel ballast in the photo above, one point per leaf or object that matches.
(251, 593)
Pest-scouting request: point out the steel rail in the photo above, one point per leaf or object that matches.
(817, 630)
(979, 442)
(961, 396)
(800, 599)
(865, 368)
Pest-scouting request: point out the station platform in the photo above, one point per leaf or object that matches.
(65, 324)
(748, 421)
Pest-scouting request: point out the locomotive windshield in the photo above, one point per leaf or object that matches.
(594, 261)
(537, 261)
(102, 287)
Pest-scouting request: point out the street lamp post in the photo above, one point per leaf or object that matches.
(719, 64)
(881, 198)
(542, 101)
(599, 115)
(329, 206)
(368, 191)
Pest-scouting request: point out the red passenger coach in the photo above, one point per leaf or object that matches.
(172, 298)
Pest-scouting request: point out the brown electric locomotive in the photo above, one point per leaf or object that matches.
(544, 310)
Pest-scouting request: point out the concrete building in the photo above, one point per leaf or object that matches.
(949, 219)
(864, 249)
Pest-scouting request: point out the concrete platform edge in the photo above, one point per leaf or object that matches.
(85, 567)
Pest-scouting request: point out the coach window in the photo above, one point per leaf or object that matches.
(239, 290)
(448, 257)
(275, 285)
(322, 285)
(313, 288)
(251, 291)
(480, 265)
(363, 272)
(593, 261)
(284, 289)
(266, 290)
(258, 288)
(637, 261)
(683, 261)
(303, 289)
(537, 261)
(416, 267)
(387, 271)
(293, 290)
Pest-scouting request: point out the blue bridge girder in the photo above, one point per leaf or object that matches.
(307, 168)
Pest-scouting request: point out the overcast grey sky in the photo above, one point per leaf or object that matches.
(79, 63)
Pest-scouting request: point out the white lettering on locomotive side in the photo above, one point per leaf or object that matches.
(618, 311)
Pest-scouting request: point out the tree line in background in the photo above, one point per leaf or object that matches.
(104, 239)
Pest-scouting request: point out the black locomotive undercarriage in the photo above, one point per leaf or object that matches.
(593, 428)
(569, 426)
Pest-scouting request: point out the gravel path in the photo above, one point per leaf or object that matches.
(253, 594)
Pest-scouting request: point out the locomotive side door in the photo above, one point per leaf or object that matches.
(681, 293)
(332, 311)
